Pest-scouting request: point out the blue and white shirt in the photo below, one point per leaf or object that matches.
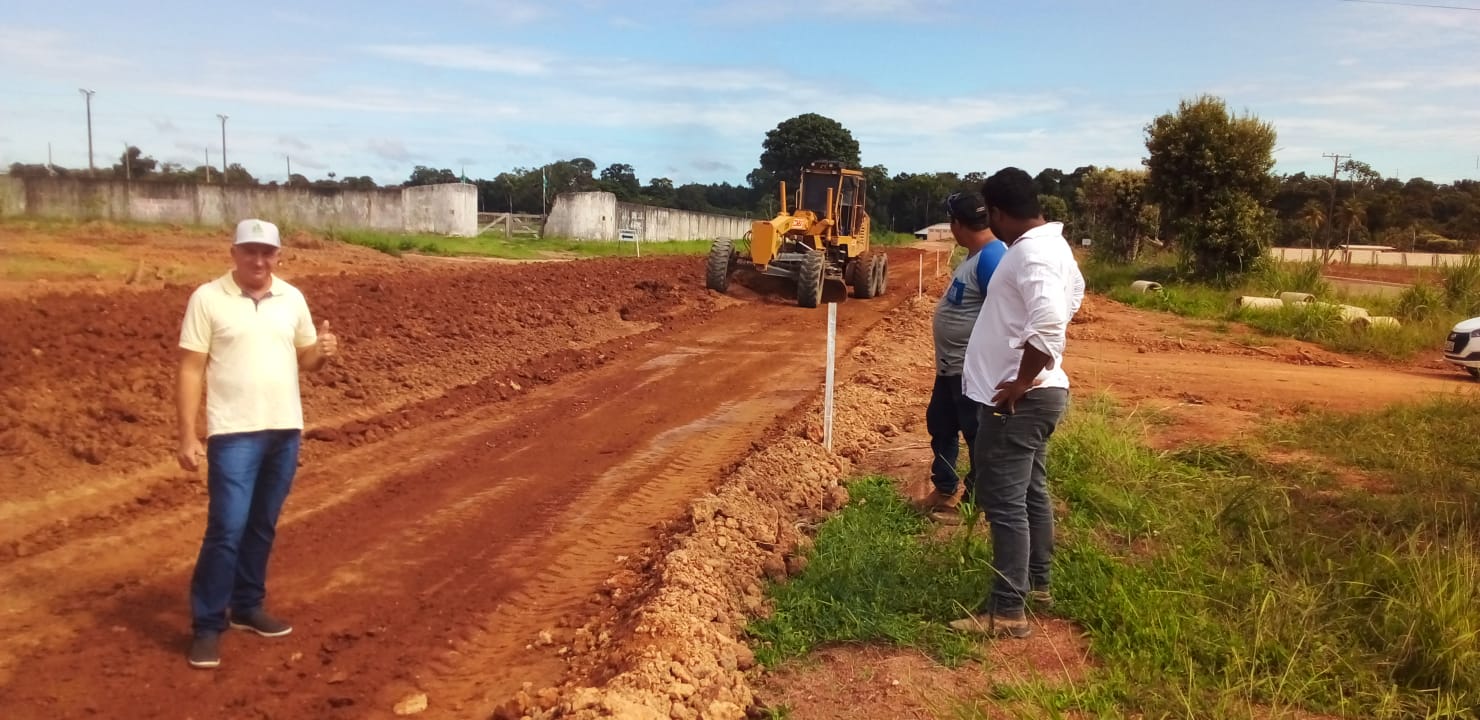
(956, 313)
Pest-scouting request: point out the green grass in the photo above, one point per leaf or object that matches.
(1426, 313)
(1262, 585)
(891, 239)
(525, 247)
(1211, 582)
(871, 578)
(27, 267)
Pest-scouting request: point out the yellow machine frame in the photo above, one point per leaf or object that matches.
(767, 237)
(825, 237)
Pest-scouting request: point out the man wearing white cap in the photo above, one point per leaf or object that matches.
(245, 336)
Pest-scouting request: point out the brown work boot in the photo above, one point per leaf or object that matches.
(938, 502)
(1040, 599)
(1007, 625)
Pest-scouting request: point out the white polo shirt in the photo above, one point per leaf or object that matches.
(1036, 289)
(252, 370)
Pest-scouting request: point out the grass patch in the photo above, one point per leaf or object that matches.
(1211, 582)
(22, 267)
(1259, 585)
(1426, 312)
(872, 577)
(891, 239)
(520, 247)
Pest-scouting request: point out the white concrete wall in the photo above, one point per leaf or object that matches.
(598, 216)
(583, 216)
(450, 209)
(12, 196)
(1371, 257)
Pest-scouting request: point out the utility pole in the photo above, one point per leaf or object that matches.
(289, 158)
(1331, 215)
(208, 166)
(88, 94)
(128, 170)
(224, 166)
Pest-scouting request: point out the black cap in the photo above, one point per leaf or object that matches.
(968, 207)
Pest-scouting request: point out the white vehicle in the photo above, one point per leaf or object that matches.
(1463, 348)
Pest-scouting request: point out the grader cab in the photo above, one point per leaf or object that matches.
(821, 234)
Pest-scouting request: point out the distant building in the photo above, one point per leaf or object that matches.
(938, 231)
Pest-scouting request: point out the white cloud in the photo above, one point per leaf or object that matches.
(709, 166)
(309, 164)
(515, 12)
(755, 11)
(466, 57)
(292, 143)
(388, 149)
(164, 126)
(52, 53)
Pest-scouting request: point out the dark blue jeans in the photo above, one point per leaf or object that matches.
(949, 417)
(1012, 487)
(248, 477)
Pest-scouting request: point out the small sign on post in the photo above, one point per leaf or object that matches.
(628, 234)
(827, 401)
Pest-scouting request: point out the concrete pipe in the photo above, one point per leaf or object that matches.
(1352, 313)
(1295, 298)
(1143, 286)
(1260, 303)
(1373, 321)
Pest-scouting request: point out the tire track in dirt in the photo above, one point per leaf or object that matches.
(435, 568)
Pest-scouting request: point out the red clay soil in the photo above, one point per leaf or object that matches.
(494, 466)
(492, 441)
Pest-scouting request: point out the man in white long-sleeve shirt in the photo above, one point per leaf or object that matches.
(1015, 368)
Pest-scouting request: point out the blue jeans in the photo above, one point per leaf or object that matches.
(1012, 487)
(248, 477)
(949, 417)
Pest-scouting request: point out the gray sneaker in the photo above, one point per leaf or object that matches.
(205, 650)
(258, 621)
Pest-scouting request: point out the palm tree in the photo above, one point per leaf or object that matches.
(1313, 218)
(1352, 215)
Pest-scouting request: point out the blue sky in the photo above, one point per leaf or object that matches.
(688, 90)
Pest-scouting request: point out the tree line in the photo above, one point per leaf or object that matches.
(1206, 187)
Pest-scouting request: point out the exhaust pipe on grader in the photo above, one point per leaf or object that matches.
(825, 238)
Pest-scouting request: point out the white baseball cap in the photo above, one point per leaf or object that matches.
(257, 231)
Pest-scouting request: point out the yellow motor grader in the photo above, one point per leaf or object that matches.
(825, 237)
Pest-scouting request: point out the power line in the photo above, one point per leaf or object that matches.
(1415, 4)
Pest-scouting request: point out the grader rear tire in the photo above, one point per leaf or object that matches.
(862, 275)
(881, 274)
(717, 267)
(809, 281)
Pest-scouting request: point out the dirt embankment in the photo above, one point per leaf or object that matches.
(90, 377)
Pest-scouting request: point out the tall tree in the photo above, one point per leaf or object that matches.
(658, 191)
(1210, 173)
(621, 178)
(424, 175)
(133, 163)
(1115, 212)
(1313, 218)
(1353, 217)
(794, 143)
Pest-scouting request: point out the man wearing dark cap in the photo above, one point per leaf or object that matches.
(1015, 368)
(951, 415)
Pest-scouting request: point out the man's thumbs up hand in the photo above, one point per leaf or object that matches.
(328, 341)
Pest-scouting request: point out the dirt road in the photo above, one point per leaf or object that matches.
(497, 442)
(425, 545)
